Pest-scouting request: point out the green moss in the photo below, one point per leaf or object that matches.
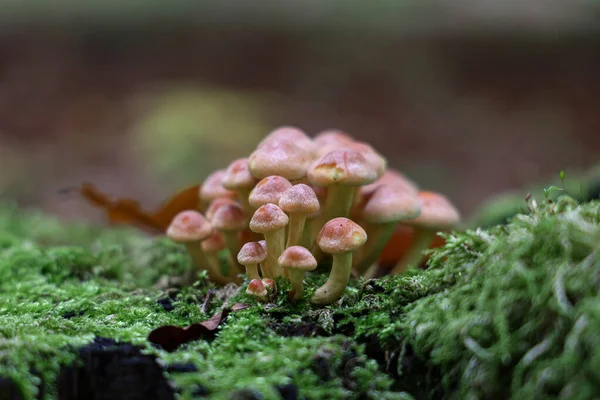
(511, 311)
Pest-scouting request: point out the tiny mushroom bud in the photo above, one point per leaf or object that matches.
(237, 178)
(271, 221)
(281, 157)
(298, 202)
(268, 190)
(212, 188)
(437, 214)
(297, 260)
(252, 254)
(339, 237)
(229, 219)
(191, 228)
(385, 208)
(257, 288)
(341, 171)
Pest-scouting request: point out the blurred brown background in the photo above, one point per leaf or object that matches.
(141, 98)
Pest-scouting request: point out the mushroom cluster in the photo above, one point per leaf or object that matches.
(296, 200)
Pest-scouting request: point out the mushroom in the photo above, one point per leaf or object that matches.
(297, 260)
(211, 247)
(215, 204)
(437, 214)
(268, 190)
(230, 219)
(252, 254)
(339, 237)
(258, 289)
(281, 157)
(384, 209)
(292, 133)
(190, 228)
(331, 139)
(237, 178)
(212, 188)
(298, 202)
(377, 160)
(271, 221)
(341, 171)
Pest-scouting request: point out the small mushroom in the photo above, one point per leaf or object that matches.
(237, 178)
(298, 202)
(437, 214)
(258, 289)
(252, 254)
(230, 219)
(191, 228)
(331, 139)
(211, 247)
(342, 171)
(297, 260)
(212, 188)
(271, 221)
(339, 237)
(385, 208)
(215, 204)
(268, 190)
(281, 157)
(294, 134)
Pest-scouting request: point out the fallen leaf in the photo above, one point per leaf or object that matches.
(170, 337)
(128, 211)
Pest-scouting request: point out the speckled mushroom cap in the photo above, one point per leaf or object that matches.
(214, 243)
(333, 137)
(281, 157)
(263, 243)
(297, 257)
(251, 253)
(437, 212)
(215, 205)
(212, 188)
(268, 190)
(230, 217)
(292, 133)
(299, 199)
(237, 176)
(373, 157)
(189, 226)
(256, 288)
(390, 203)
(268, 218)
(391, 177)
(346, 167)
(341, 235)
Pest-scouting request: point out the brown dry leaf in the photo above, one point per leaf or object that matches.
(170, 337)
(128, 211)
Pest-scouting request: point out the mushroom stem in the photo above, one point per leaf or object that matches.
(306, 240)
(422, 238)
(337, 281)
(275, 245)
(243, 195)
(252, 271)
(233, 246)
(295, 229)
(296, 279)
(378, 236)
(339, 201)
(201, 261)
